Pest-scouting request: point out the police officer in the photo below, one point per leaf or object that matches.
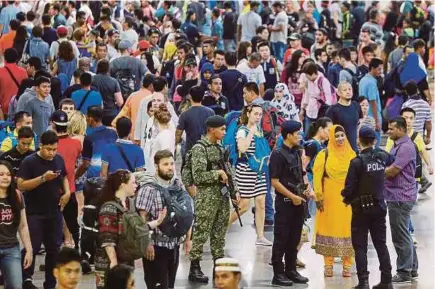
(211, 205)
(364, 192)
(287, 177)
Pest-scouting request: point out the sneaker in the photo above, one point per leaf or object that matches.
(414, 239)
(28, 284)
(263, 242)
(414, 275)
(424, 187)
(399, 279)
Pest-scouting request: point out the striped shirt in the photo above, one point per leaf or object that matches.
(402, 188)
(422, 112)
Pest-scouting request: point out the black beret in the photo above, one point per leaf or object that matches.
(367, 132)
(290, 126)
(215, 121)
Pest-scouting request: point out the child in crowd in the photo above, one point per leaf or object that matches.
(284, 101)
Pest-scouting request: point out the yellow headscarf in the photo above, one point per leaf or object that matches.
(339, 156)
(170, 48)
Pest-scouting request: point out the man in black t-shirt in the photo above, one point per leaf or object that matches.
(213, 97)
(23, 149)
(192, 121)
(42, 178)
(230, 27)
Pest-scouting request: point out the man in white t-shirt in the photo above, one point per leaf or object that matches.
(253, 70)
(278, 31)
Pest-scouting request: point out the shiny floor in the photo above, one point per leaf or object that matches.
(257, 273)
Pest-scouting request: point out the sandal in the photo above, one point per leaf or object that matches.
(346, 273)
(300, 264)
(329, 271)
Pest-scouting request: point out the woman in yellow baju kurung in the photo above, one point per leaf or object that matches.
(333, 219)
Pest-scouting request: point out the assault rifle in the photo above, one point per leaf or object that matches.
(229, 190)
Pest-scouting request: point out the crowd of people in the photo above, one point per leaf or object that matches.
(282, 104)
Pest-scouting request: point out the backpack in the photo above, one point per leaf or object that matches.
(394, 106)
(186, 171)
(229, 142)
(6, 129)
(392, 81)
(418, 161)
(355, 84)
(322, 100)
(127, 81)
(258, 162)
(318, 147)
(91, 192)
(167, 70)
(180, 215)
(271, 123)
(135, 236)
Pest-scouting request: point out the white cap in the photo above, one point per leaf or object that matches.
(227, 265)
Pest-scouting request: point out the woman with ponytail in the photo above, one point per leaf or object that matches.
(118, 187)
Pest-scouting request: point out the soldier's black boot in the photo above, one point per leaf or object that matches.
(363, 284)
(195, 273)
(383, 286)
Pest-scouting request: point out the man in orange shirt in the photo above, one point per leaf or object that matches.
(7, 40)
(132, 104)
(11, 76)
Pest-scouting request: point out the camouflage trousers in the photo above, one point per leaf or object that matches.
(212, 216)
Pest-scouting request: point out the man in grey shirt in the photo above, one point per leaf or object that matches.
(38, 107)
(248, 23)
(30, 93)
(349, 70)
(396, 55)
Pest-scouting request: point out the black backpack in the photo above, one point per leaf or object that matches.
(180, 215)
(127, 81)
(355, 84)
(167, 70)
(418, 163)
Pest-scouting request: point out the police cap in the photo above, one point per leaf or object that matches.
(215, 121)
(367, 132)
(290, 126)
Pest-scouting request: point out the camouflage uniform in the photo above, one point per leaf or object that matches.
(212, 208)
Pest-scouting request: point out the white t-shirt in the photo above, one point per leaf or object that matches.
(256, 75)
(165, 140)
(131, 36)
(280, 36)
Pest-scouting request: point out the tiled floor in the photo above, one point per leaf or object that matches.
(257, 273)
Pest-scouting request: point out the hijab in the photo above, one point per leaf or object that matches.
(284, 88)
(206, 67)
(339, 156)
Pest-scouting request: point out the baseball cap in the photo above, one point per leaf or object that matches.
(295, 36)
(124, 44)
(367, 132)
(112, 32)
(59, 117)
(141, 46)
(190, 61)
(62, 30)
(290, 126)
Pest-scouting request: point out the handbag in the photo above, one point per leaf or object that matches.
(26, 55)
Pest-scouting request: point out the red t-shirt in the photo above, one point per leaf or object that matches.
(69, 149)
(8, 88)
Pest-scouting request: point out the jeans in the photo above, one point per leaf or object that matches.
(269, 211)
(307, 123)
(278, 50)
(378, 139)
(161, 272)
(10, 266)
(230, 45)
(400, 215)
(45, 229)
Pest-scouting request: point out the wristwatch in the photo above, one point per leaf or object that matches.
(43, 178)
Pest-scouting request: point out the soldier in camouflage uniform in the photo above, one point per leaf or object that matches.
(211, 206)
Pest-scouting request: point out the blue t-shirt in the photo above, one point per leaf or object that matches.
(93, 147)
(94, 98)
(368, 88)
(232, 87)
(113, 158)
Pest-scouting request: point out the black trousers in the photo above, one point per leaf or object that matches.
(362, 224)
(161, 272)
(289, 220)
(70, 214)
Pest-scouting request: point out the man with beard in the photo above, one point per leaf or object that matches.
(67, 270)
(212, 206)
(321, 41)
(162, 255)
